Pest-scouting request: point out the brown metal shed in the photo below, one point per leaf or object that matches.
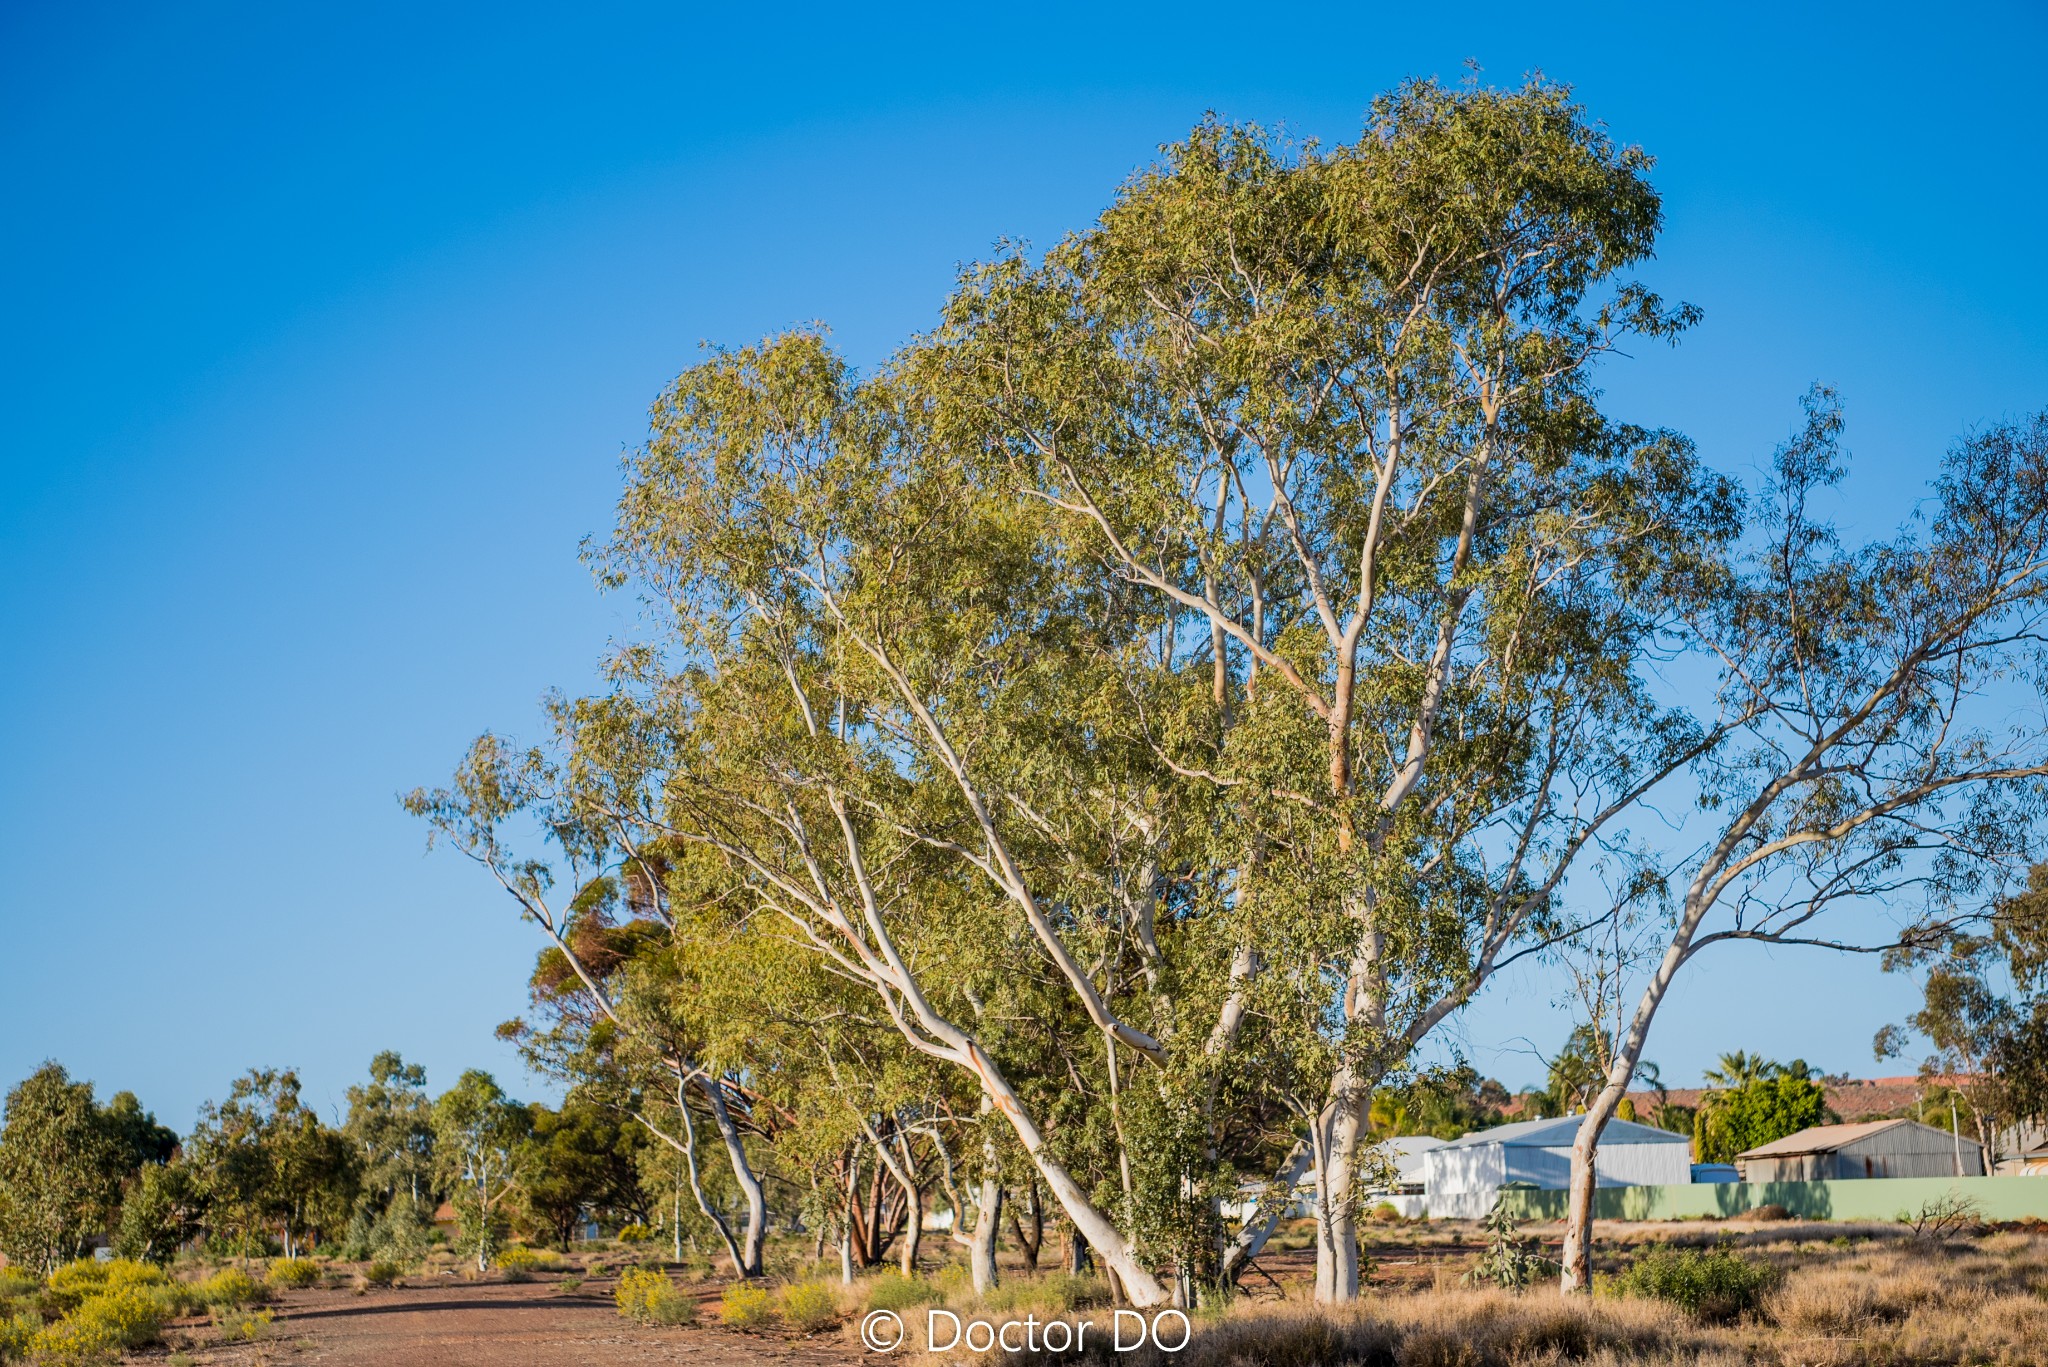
(1876, 1148)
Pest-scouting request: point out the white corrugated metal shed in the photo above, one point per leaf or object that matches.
(1462, 1179)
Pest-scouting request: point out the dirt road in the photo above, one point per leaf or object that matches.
(458, 1324)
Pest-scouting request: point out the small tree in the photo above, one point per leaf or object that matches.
(1756, 1112)
(1864, 695)
(267, 1163)
(1984, 1008)
(163, 1208)
(59, 1170)
(390, 1127)
(582, 1157)
(478, 1131)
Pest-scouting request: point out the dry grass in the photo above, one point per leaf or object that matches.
(1881, 1300)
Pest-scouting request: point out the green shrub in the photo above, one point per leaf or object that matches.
(518, 1264)
(1056, 1293)
(237, 1325)
(1710, 1284)
(651, 1298)
(635, 1234)
(808, 1307)
(18, 1283)
(894, 1291)
(294, 1274)
(382, 1272)
(230, 1286)
(1510, 1261)
(745, 1306)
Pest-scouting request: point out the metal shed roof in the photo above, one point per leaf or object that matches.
(1558, 1132)
(1828, 1138)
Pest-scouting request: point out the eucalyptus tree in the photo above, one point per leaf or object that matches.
(1329, 415)
(479, 1133)
(1884, 704)
(889, 709)
(1224, 626)
(59, 1169)
(594, 1031)
(265, 1161)
(390, 1124)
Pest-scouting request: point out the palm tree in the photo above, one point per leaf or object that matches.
(1739, 1070)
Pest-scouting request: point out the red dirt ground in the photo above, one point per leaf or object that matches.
(461, 1324)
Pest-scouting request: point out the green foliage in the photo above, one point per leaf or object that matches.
(518, 1264)
(1710, 1284)
(478, 1135)
(808, 1307)
(241, 1325)
(162, 1209)
(383, 1272)
(745, 1305)
(579, 1158)
(1509, 1262)
(894, 1291)
(1984, 1008)
(390, 1128)
(1444, 1103)
(266, 1163)
(60, 1169)
(1068, 681)
(1055, 1292)
(1768, 1105)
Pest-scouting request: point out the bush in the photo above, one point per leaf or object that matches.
(808, 1307)
(295, 1274)
(74, 1281)
(1510, 1262)
(1055, 1293)
(1710, 1284)
(518, 1264)
(1386, 1213)
(230, 1286)
(16, 1334)
(1770, 1211)
(382, 1272)
(72, 1343)
(894, 1291)
(635, 1234)
(651, 1298)
(128, 1316)
(242, 1326)
(745, 1306)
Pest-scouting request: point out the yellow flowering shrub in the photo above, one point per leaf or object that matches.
(651, 1298)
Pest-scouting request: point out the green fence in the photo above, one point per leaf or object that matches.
(1871, 1198)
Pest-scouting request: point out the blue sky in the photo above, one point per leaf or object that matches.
(324, 328)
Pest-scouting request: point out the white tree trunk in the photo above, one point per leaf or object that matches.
(987, 1225)
(743, 1173)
